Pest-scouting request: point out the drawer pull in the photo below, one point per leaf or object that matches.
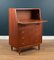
(23, 43)
(22, 31)
(22, 37)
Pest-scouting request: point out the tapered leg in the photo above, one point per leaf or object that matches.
(12, 48)
(39, 47)
(19, 51)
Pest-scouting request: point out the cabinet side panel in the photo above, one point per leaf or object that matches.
(13, 27)
(38, 34)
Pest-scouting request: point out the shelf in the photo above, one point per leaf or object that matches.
(35, 22)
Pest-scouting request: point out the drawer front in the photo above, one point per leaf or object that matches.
(27, 35)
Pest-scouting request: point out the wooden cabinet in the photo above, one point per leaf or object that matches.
(25, 28)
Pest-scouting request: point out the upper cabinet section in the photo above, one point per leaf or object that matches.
(28, 14)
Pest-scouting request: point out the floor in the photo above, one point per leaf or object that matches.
(45, 53)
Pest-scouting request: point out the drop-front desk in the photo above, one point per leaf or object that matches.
(25, 28)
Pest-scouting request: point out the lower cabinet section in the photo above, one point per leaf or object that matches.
(28, 36)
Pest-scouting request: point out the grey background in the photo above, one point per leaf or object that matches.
(47, 9)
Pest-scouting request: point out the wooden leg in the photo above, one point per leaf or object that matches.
(19, 51)
(39, 47)
(12, 48)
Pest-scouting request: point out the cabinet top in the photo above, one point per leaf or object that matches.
(27, 8)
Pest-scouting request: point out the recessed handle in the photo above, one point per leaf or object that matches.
(22, 31)
(22, 37)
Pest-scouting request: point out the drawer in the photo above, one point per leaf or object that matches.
(27, 35)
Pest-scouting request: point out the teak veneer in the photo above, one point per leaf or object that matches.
(25, 28)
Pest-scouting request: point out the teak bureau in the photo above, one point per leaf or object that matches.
(25, 28)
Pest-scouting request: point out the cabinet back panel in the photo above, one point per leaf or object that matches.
(23, 15)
